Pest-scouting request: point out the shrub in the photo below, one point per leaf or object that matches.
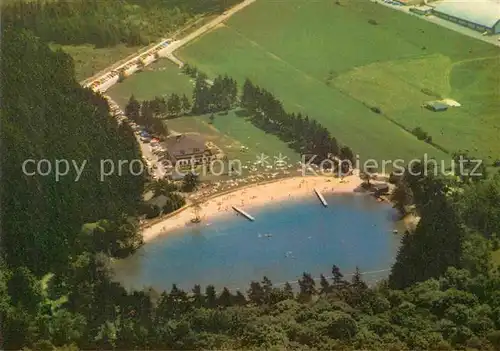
(420, 134)
(430, 93)
(394, 179)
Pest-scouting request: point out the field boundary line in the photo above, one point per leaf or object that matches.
(475, 59)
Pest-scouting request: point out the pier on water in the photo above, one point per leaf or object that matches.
(243, 213)
(320, 197)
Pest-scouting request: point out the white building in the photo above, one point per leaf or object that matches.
(480, 15)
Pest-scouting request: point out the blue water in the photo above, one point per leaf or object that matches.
(354, 230)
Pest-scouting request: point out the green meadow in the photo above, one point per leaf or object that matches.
(233, 133)
(334, 61)
(161, 78)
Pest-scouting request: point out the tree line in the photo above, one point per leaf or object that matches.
(105, 22)
(151, 113)
(455, 311)
(304, 135)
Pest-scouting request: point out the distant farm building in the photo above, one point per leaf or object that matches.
(410, 2)
(436, 106)
(422, 10)
(483, 15)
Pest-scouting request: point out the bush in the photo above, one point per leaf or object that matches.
(420, 134)
(376, 109)
(430, 93)
(150, 211)
(394, 179)
(372, 22)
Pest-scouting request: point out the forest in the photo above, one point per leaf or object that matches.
(105, 23)
(57, 292)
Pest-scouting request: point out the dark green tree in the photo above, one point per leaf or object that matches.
(133, 108)
(307, 287)
(225, 299)
(198, 298)
(190, 182)
(174, 105)
(325, 286)
(185, 104)
(256, 294)
(210, 297)
(435, 245)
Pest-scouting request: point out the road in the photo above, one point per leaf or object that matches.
(118, 63)
(168, 52)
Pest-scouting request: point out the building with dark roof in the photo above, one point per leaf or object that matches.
(481, 15)
(436, 106)
(186, 147)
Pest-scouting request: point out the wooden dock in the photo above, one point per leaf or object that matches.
(321, 198)
(240, 211)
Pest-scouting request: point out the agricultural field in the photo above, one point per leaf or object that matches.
(158, 79)
(336, 60)
(238, 138)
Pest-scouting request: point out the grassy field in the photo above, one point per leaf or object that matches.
(90, 60)
(158, 79)
(327, 60)
(230, 132)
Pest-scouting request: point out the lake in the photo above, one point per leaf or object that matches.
(285, 240)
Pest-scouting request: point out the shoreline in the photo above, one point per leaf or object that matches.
(252, 195)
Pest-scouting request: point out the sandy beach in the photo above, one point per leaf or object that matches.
(253, 196)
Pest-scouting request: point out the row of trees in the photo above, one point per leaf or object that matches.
(304, 135)
(216, 96)
(146, 114)
(210, 97)
(150, 113)
(456, 311)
